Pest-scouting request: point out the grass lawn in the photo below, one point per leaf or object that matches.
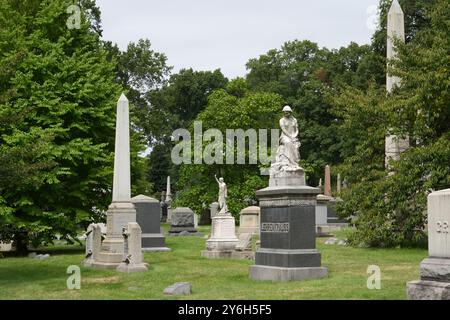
(27, 278)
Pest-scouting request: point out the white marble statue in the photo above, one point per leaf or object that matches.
(222, 195)
(288, 154)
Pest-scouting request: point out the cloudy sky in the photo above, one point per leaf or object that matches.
(225, 34)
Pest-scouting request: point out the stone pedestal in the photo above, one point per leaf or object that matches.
(434, 283)
(288, 240)
(223, 238)
(249, 220)
(182, 219)
(132, 252)
(119, 215)
(148, 216)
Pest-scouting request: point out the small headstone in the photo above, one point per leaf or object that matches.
(32, 255)
(331, 241)
(179, 288)
(214, 209)
(249, 220)
(205, 217)
(93, 244)
(132, 251)
(245, 242)
(182, 220)
(7, 247)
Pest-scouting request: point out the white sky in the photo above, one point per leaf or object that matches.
(225, 34)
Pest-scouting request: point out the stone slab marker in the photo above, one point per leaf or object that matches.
(132, 253)
(434, 283)
(327, 187)
(394, 145)
(121, 211)
(169, 200)
(148, 216)
(249, 220)
(182, 220)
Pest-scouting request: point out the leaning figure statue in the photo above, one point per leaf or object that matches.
(222, 196)
(288, 154)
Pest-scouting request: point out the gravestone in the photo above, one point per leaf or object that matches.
(434, 283)
(148, 216)
(205, 217)
(243, 248)
(93, 244)
(288, 239)
(182, 220)
(168, 201)
(163, 207)
(249, 220)
(132, 251)
(7, 247)
(327, 188)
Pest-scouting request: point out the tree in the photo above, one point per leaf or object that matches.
(58, 86)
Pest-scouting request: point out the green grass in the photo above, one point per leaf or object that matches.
(26, 278)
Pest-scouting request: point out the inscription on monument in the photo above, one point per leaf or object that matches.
(275, 227)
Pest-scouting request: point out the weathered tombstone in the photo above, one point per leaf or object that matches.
(434, 283)
(93, 244)
(288, 238)
(148, 216)
(121, 211)
(182, 220)
(322, 209)
(243, 248)
(179, 288)
(223, 230)
(7, 247)
(249, 220)
(214, 209)
(132, 253)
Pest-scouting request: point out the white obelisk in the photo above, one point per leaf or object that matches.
(122, 210)
(169, 200)
(394, 145)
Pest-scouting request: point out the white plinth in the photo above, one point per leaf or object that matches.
(223, 238)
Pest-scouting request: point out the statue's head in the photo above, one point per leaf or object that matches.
(221, 179)
(287, 111)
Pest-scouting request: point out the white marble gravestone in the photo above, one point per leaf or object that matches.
(249, 220)
(132, 252)
(434, 283)
(93, 244)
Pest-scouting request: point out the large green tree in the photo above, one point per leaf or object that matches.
(57, 109)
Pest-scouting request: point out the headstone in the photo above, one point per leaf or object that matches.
(7, 247)
(327, 188)
(434, 283)
(243, 248)
(205, 217)
(179, 288)
(132, 252)
(394, 145)
(196, 220)
(249, 220)
(121, 211)
(182, 220)
(322, 209)
(214, 208)
(93, 244)
(148, 216)
(288, 238)
(223, 239)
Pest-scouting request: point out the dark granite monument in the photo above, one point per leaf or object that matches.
(148, 216)
(288, 244)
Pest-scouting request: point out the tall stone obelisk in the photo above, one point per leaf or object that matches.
(394, 145)
(169, 200)
(122, 210)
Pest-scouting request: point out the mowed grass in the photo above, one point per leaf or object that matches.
(27, 278)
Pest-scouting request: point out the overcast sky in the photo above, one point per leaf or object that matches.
(225, 34)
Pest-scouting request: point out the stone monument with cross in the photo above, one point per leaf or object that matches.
(434, 283)
(288, 239)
